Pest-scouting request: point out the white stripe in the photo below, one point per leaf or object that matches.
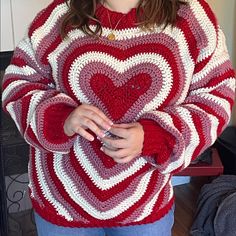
(230, 83)
(214, 122)
(11, 87)
(72, 190)
(46, 28)
(167, 120)
(194, 141)
(214, 126)
(24, 70)
(121, 67)
(213, 64)
(207, 26)
(26, 47)
(10, 109)
(34, 101)
(46, 190)
(223, 103)
(149, 206)
(105, 184)
(33, 125)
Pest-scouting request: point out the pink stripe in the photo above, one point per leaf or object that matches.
(158, 187)
(218, 70)
(84, 190)
(120, 80)
(196, 29)
(97, 159)
(33, 188)
(54, 189)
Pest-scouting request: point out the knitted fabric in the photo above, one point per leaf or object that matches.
(216, 208)
(177, 82)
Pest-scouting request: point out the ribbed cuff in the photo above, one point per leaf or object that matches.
(157, 141)
(53, 125)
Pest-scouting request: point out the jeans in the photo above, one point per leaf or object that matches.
(161, 227)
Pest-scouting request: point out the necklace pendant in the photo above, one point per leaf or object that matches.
(111, 36)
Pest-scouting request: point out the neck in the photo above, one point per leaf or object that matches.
(122, 6)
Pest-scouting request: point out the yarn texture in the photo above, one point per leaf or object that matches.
(177, 82)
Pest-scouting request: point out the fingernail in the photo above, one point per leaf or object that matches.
(92, 139)
(111, 123)
(102, 149)
(102, 134)
(108, 127)
(98, 138)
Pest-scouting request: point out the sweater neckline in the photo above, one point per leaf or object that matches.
(126, 20)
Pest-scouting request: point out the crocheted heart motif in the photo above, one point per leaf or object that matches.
(121, 89)
(118, 99)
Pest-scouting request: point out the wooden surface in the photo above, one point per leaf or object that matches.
(185, 205)
(204, 169)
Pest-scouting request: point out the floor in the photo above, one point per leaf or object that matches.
(186, 200)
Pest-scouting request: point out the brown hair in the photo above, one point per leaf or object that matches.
(160, 12)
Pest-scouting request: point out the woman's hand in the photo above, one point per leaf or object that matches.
(127, 145)
(87, 117)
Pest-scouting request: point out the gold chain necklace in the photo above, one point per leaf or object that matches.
(111, 36)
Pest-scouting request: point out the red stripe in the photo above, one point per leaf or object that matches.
(209, 13)
(63, 193)
(8, 81)
(220, 94)
(43, 15)
(224, 75)
(21, 91)
(20, 62)
(143, 199)
(200, 65)
(50, 48)
(199, 125)
(211, 111)
(119, 54)
(30, 136)
(25, 102)
(103, 195)
(184, 25)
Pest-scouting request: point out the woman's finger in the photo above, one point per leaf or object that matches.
(120, 132)
(97, 119)
(125, 159)
(83, 133)
(89, 124)
(116, 143)
(94, 110)
(119, 154)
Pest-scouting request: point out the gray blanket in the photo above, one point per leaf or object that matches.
(216, 208)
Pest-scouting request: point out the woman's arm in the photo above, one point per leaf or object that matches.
(31, 98)
(199, 120)
(177, 134)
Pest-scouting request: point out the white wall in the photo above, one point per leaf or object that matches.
(6, 39)
(28, 9)
(15, 18)
(225, 11)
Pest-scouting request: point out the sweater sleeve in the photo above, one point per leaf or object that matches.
(30, 94)
(177, 134)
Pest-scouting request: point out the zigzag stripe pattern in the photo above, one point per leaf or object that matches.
(177, 82)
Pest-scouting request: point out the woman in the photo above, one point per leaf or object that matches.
(114, 97)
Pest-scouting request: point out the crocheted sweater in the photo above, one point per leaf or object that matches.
(177, 82)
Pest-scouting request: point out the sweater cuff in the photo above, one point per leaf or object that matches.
(157, 141)
(55, 117)
(51, 127)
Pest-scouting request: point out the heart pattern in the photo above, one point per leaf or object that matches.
(123, 89)
(119, 99)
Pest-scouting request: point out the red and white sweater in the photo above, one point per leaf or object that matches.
(178, 83)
